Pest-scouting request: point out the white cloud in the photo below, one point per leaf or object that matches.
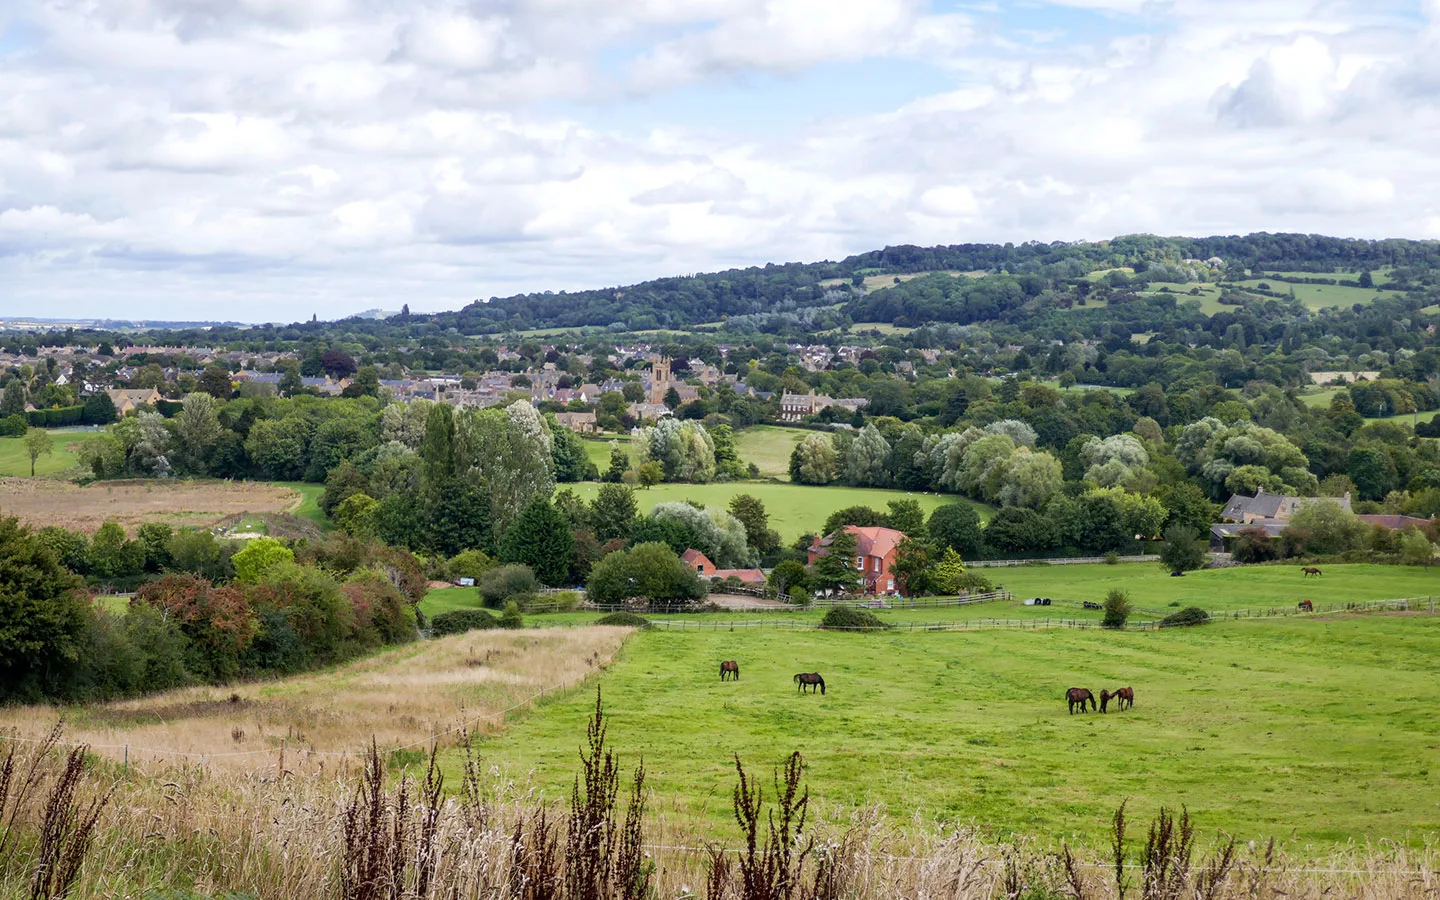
(269, 159)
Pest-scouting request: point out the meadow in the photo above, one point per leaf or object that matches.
(769, 447)
(40, 502)
(794, 509)
(1254, 726)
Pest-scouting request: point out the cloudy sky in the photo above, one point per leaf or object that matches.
(269, 159)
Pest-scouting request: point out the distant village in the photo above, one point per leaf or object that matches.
(653, 388)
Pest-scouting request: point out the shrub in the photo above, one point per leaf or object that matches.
(469, 564)
(499, 585)
(512, 617)
(1190, 615)
(626, 619)
(459, 621)
(974, 583)
(849, 617)
(1117, 608)
(1112, 558)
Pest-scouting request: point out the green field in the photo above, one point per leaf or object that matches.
(1250, 587)
(1319, 296)
(309, 507)
(794, 509)
(1321, 400)
(598, 449)
(15, 461)
(1320, 728)
(769, 447)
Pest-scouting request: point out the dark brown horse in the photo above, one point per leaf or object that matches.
(1310, 570)
(1079, 696)
(730, 669)
(810, 679)
(1305, 606)
(1125, 696)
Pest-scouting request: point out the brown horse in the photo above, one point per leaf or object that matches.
(1125, 695)
(1310, 570)
(810, 679)
(730, 669)
(1305, 606)
(1079, 696)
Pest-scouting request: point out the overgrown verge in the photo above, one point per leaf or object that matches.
(850, 618)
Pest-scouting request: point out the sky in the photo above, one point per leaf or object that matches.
(266, 160)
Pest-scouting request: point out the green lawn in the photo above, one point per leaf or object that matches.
(1320, 728)
(1250, 587)
(14, 460)
(794, 509)
(769, 447)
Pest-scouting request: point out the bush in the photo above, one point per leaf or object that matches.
(849, 617)
(1190, 615)
(1112, 558)
(974, 583)
(460, 621)
(1117, 608)
(499, 585)
(512, 617)
(625, 619)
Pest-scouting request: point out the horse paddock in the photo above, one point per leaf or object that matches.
(1251, 725)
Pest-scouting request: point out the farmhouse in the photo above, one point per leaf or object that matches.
(794, 407)
(875, 550)
(1265, 512)
(706, 569)
(582, 422)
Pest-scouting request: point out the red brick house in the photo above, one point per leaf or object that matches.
(875, 549)
(706, 569)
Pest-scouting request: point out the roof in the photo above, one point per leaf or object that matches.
(874, 540)
(693, 557)
(1274, 529)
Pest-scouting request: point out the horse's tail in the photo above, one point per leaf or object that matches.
(797, 678)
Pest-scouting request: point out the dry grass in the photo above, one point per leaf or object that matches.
(39, 502)
(397, 697)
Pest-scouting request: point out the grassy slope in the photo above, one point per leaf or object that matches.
(15, 461)
(794, 509)
(1319, 296)
(598, 449)
(769, 447)
(1256, 726)
(309, 507)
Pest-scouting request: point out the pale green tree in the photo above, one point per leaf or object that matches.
(1032, 479)
(197, 429)
(867, 460)
(814, 461)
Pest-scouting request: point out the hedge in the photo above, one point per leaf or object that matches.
(1190, 615)
(55, 418)
(850, 617)
(627, 619)
(459, 621)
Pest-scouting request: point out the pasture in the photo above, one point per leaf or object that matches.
(794, 509)
(769, 447)
(598, 449)
(1256, 726)
(15, 462)
(1247, 587)
(1320, 296)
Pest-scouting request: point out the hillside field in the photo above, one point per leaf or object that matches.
(794, 509)
(769, 447)
(1256, 726)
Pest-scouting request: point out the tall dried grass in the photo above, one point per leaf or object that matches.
(321, 720)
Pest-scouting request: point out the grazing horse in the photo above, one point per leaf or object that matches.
(1125, 696)
(1305, 606)
(1079, 696)
(730, 668)
(1310, 570)
(810, 679)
